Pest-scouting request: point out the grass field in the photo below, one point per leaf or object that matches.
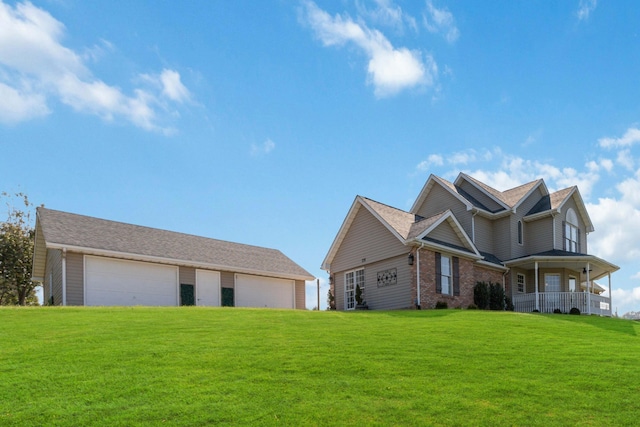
(198, 366)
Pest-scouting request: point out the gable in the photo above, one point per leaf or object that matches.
(479, 198)
(365, 240)
(445, 233)
(437, 199)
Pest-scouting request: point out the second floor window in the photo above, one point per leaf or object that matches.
(571, 232)
(520, 233)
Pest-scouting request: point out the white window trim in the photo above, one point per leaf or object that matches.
(448, 277)
(347, 297)
(524, 283)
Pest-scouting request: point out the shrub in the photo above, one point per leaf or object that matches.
(358, 295)
(496, 296)
(535, 310)
(481, 295)
(472, 307)
(508, 304)
(441, 305)
(574, 310)
(557, 311)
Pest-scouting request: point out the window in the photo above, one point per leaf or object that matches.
(445, 274)
(351, 280)
(572, 284)
(571, 232)
(520, 233)
(521, 283)
(552, 282)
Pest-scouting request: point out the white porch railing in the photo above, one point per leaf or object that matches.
(565, 301)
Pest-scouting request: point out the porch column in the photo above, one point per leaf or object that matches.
(537, 299)
(588, 291)
(610, 296)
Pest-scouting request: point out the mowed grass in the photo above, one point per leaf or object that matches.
(218, 366)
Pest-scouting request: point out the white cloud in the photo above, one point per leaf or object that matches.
(630, 137)
(441, 21)
(173, 87)
(387, 13)
(432, 160)
(624, 300)
(265, 148)
(390, 70)
(33, 56)
(17, 106)
(585, 8)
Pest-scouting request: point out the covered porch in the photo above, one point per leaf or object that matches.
(560, 280)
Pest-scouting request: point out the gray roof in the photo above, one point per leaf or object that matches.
(91, 235)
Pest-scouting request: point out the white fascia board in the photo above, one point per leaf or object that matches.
(530, 192)
(482, 189)
(346, 224)
(492, 265)
(427, 187)
(535, 216)
(449, 216)
(177, 262)
(445, 248)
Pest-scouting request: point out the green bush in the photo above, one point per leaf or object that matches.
(574, 310)
(557, 311)
(496, 296)
(441, 305)
(481, 295)
(472, 307)
(508, 304)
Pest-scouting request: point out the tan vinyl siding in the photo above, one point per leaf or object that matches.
(483, 234)
(480, 196)
(502, 238)
(517, 250)
(75, 278)
(439, 200)
(445, 233)
(53, 276)
(187, 275)
(392, 296)
(338, 282)
(538, 235)
(227, 279)
(300, 295)
(367, 240)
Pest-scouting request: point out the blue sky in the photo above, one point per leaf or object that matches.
(259, 122)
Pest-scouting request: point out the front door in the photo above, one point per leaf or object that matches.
(187, 295)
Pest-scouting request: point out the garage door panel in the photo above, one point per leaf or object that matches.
(119, 282)
(258, 291)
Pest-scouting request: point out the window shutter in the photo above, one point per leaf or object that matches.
(438, 274)
(456, 276)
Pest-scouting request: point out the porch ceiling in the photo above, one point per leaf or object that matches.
(598, 267)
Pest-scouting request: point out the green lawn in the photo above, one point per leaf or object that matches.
(198, 366)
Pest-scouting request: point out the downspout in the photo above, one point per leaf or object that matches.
(473, 226)
(504, 286)
(418, 302)
(537, 298)
(64, 276)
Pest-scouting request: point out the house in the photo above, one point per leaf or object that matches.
(531, 241)
(82, 260)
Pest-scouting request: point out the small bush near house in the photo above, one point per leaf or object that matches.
(508, 304)
(557, 311)
(574, 310)
(496, 296)
(441, 305)
(481, 295)
(472, 307)
(536, 311)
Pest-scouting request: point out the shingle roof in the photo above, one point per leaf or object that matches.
(401, 221)
(510, 197)
(79, 231)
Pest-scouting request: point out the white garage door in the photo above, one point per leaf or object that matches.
(257, 291)
(116, 282)
(208, 288)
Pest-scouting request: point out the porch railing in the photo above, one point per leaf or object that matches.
(565, 301)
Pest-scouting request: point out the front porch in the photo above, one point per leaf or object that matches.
(547, 302)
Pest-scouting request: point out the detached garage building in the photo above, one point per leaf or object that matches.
(82, 260)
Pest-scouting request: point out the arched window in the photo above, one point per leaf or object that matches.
(571, 232)
(520, 233)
